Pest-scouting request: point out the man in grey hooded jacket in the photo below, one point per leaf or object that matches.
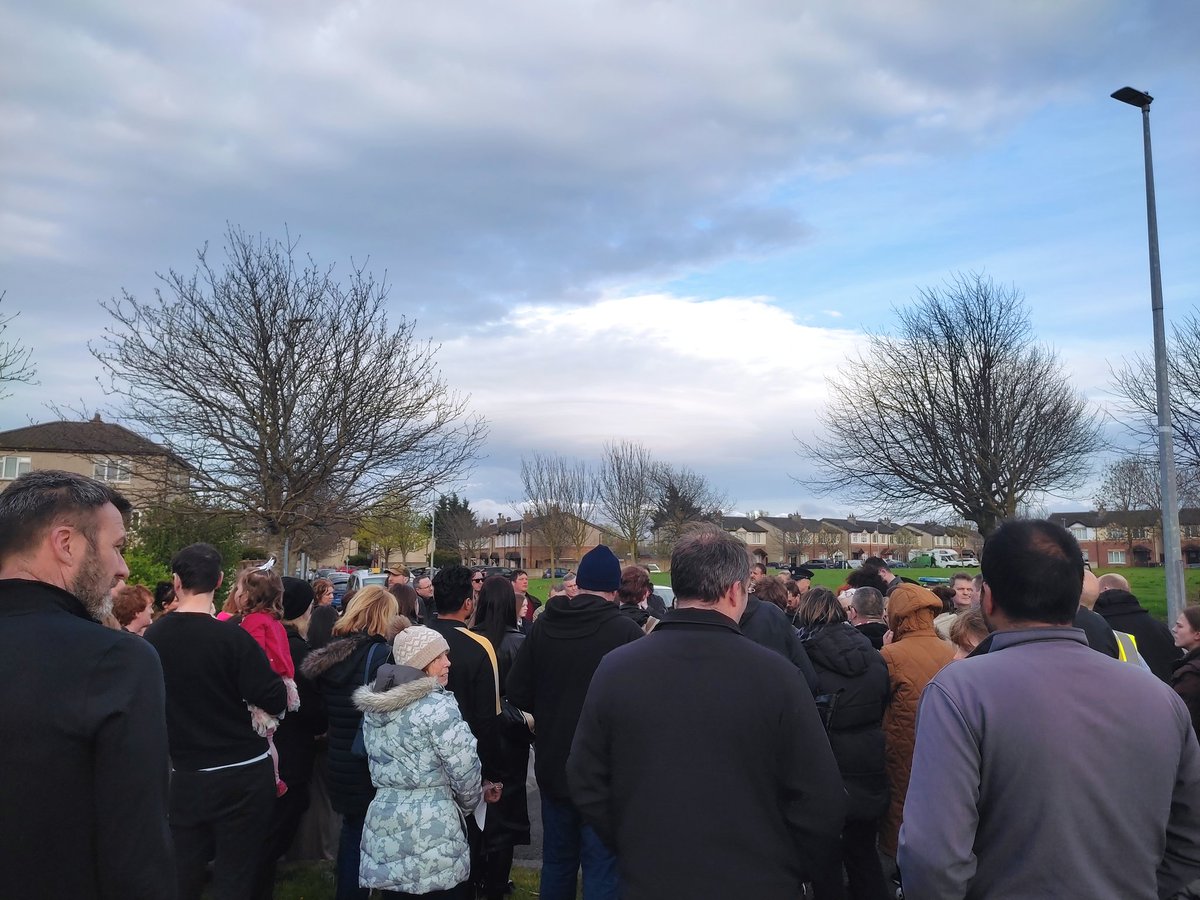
(1043, 768)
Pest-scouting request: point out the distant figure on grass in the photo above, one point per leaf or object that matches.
(1035, 734)
(83, 794)
(549, 680)
(223, 785)
(718, 782)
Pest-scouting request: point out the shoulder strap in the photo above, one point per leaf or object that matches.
(367, 669)
(491, 655)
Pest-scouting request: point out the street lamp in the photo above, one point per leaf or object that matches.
(1172, 552)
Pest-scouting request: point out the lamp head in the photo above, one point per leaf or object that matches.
(1133, 97)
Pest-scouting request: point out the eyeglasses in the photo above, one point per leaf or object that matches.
(477, 581)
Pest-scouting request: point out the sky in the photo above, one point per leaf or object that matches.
(664, 222)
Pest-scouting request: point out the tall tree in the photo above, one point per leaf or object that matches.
(626, 490)
(684, 497)
(560, 494)
(960, 409)
(1134, 382)
(16, 365)
(456, 527)
(393, 525)
(288, 390)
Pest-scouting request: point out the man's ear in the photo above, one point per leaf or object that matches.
(987, 602)
(220, 580)
(176, 583)
(64, 540)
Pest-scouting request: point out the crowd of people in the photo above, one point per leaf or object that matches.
(1030, 731)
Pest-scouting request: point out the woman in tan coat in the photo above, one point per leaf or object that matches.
(913, 657)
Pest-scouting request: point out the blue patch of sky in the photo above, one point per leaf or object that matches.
(1055, 206)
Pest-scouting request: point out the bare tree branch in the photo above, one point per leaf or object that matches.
(625, 490)
(16, 365)
(285, 388)
(560, 494)
(960, 410)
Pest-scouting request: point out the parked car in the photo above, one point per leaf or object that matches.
(339, 580)
(364, 577)
(653, 568)
(558, 573)
(895, 564)
(489, 571)
(665, 591)
(969, 561)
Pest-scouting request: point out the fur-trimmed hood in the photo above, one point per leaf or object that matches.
(395, 687)
(320, 662)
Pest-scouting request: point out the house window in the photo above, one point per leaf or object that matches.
(14, 466)
(116, 470)
(1116, 557)
(1080, 533)
(858, 537)
(755, 538)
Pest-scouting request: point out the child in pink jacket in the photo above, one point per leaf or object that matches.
(262, 611)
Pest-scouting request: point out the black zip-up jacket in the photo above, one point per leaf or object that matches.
(768, 626)
(1123, 612)
(83, 758)
(339, 669)
(551, 674)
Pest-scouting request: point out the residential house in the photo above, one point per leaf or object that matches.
(793, 539)
(521, 544)
(1132, 538)
(146, 473)
(750, 533)
(866, 537)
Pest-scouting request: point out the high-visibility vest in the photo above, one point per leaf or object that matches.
(1127, 649)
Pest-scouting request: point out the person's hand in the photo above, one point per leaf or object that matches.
(492, 791)
(887, 637)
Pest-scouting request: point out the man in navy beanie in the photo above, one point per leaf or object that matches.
(549, 680)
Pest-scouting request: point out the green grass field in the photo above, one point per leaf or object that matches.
(1148, 584)
(314, 881)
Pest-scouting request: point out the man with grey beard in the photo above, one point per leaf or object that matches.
(84, 765)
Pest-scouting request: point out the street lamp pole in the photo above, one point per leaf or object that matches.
(1168, 488)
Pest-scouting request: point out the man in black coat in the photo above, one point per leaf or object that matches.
(699, 757)
(1122, 611)
(83, 761)
(474, 682)
(549, 680)
(769, 626)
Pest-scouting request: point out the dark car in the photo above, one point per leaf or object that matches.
(339, 580)
(556, 573)
(489, 571)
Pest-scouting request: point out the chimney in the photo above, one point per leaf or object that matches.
(96, 419)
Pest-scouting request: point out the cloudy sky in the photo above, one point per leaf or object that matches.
(661, 221)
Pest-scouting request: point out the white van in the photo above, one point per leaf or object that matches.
(944, 559)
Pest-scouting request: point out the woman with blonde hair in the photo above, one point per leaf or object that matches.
(352, 659)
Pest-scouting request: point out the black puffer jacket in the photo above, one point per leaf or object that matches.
(848, 666)
(769, 626)
(338, 669)
(296, 738)
(1154, 642)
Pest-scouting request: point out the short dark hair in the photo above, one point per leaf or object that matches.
(877, 561)
(866, 576)
(1034, 570)
(38, 500)
(517, 573)
(771, 590)
(706, 562)
(759, 567)
(451, 589)
(634, 584)
(198, 567)
(959, 576)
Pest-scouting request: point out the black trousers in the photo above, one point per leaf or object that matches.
(458, 892)
(285, 822)
(864, 874)
(225, 813)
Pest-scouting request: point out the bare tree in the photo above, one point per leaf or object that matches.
(1135, 383)
(904, 540)
(626, 490)
(560, 495)
(1130, 496)
(16, 364)
(684, 497)
(286, 389)
(961, 409)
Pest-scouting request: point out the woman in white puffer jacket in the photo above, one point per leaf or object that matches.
(424, 764)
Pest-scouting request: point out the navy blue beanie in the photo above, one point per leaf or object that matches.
(599, 570)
